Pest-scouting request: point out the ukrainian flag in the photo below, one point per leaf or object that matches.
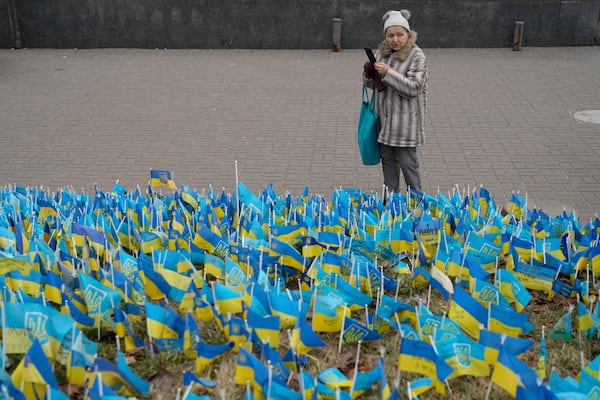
(399, 240)
(34, 373)
(420, 386)
(510, 373)
(289, 256)
(32, 283)
(353, 332)
(494, 341)
(207, 353)
(419, 357)
(307, 384)
(507, 321)
(226, 299)
(189, 197)
(99, 299)
(304, 338)
(161, 178)
(467, 312)
(113, 377)
(311, 247)
(289, 233)
(161, 324)
(53, 288)
(249, 369)
(266, 328)
(334, 378)
(584, 319)
(328, 313)
(7, 238)
(209, 241)
(336, 264)
(151, 240)
(178, 283)
(512, 288)
(76, 363)
(141, 385)
(283, 307)
(46, 209)
(124, 330)
(354, 298)
(236, 332)
(248, 199)
(333, 241)
(172, 260)
(465, 356)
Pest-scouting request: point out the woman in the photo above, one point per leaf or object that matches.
(400, 75)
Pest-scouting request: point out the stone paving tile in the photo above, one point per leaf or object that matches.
(497, 118)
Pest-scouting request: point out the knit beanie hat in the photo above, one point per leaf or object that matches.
(396, 18)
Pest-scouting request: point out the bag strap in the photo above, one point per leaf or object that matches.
(370, 102)
(365, 94)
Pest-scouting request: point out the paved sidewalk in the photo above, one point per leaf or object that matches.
(497, 118)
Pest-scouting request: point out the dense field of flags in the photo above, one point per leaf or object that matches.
(265, 267)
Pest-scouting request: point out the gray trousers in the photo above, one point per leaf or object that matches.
(396, 159)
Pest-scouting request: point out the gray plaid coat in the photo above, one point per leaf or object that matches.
(401, 106)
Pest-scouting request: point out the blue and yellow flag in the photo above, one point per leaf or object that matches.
(353, 332)
(420, 357)
(385, 391)
(34, 373)
(249, 369)
(191, 336)
(304, 339)
(248, 200)
(512, 288)
(288, 254)
(99, 299)
(113, 377)
(141, 385)
(189, 378)
(31, 282)
(399, 240)
(161, 178)
(165, 327)
(124, 330)
(78, 359)
(328, 313)
(266, 328)
(584, 318)
(494, 341)
(465, 356)
(27, 322)
(483, 250)
(211, 242)
(510, 373)
(419, 386)
(467, 312)
(207, 353)
(226, 300)
(507, 321)
(287, 310)
(334, 378)
(94, 238)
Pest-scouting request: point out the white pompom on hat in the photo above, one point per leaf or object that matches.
(396, 18)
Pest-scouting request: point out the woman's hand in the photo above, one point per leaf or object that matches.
(381, 68)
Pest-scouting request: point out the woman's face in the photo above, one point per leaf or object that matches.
(396, 37)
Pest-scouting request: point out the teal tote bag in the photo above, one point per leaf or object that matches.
(368, 129)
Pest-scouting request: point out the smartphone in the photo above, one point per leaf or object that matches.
(370, 55)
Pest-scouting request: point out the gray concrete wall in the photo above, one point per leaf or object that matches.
(289, 24)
